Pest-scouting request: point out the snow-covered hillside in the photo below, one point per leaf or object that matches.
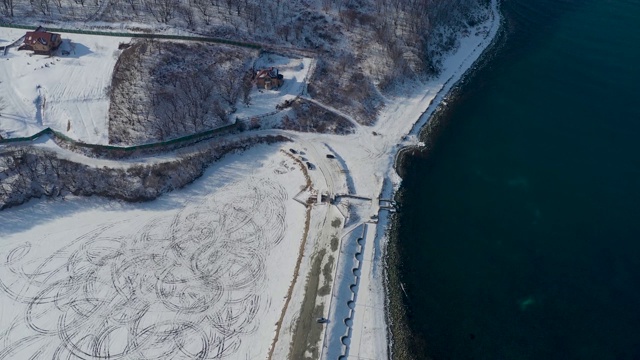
(68, 93)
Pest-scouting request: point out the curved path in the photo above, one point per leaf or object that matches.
(335, 111)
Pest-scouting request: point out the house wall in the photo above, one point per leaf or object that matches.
(58, 41)
(39, 47)
(274, 83)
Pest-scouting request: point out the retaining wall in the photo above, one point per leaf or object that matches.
(184, 140)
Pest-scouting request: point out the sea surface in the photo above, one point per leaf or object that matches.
(519, 232)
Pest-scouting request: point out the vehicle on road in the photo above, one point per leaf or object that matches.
(322, 320)
(329, 156)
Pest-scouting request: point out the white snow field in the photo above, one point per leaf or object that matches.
(204, 272)
(68, 93)
(200, 273)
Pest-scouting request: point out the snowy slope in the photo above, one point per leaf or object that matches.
(198, 273)
(68, 93)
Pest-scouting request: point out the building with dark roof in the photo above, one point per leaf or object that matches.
(41, 41)
(269, 79)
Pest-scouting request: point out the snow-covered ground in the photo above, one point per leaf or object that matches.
(294, 72)
(201, 273)
(68, 93)
(90, 273)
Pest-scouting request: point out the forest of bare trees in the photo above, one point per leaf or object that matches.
(409, 31)
(162, 90)
(305, 116)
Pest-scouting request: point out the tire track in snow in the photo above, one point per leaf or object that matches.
(180, 287)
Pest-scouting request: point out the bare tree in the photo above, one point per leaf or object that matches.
(166, 9)
(58, 4)
(283, 31)
(188, 15)
(230, 87)
(247, 86)
(203, 7)
(8, 7)
(132, 4)
(42, 6)
(229, 4)
(219, 111)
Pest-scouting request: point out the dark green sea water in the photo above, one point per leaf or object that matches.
(519, 233)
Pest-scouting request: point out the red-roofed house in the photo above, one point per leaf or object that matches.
(41, 42)
(269, 78)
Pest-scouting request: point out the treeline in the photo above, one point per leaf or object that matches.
(394, 23)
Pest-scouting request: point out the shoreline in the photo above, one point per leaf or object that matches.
(426, 128)
(428, 123)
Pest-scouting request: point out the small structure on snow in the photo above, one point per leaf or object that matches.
(41, 41)
(269, 79)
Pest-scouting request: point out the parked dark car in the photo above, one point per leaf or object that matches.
(310, 166)
(293, 151)
(329, 156)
